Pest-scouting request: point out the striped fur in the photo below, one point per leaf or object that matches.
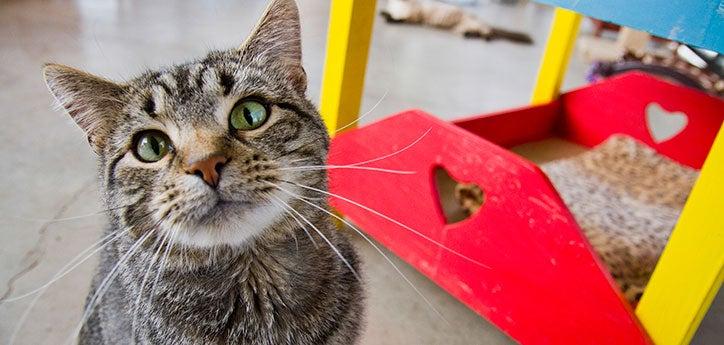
(238, 269)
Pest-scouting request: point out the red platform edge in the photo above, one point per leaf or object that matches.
(543, 284)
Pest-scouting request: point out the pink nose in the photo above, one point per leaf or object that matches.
(208, 169)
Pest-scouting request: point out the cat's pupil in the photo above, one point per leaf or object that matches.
(247, 116)
(155, 145)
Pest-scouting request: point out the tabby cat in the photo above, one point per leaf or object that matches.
(217, 233)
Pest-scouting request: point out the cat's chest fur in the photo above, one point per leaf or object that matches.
(283, 292)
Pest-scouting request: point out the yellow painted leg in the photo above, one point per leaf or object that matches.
(691, 267)
(561, 39)
(348, 40)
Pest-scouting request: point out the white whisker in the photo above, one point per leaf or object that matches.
(162, 265)
(359, 118)
(446, 248)
(67, 268)
(105, 284)
(56, 220)
(158, 242)
(377, 248)
(339, 254)
(332, 167)
(393, 153)
(316, 246)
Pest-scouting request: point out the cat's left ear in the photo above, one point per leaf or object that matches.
(277, 40)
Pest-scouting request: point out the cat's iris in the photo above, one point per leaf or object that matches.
(247, 115)
(151, 146)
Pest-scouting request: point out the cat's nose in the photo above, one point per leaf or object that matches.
(208, 169)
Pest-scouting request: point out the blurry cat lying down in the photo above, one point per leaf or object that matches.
(626, 198)
(448, 17)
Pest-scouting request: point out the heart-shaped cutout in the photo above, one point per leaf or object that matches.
(662, 124)
(458, 201)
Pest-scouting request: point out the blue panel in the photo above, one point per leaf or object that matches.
(696, 22)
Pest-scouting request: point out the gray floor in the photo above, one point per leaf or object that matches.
(48, 171)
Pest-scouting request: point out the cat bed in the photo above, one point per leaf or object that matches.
(624, 195)
(522, 261)
(626, 199)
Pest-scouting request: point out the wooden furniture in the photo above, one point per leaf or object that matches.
(691, 268)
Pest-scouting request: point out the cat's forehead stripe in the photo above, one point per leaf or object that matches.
(169, 80)
(211, 81)
(194, 77)
(159, 93)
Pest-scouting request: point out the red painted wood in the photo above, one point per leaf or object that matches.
(514, 127)
(617, 105)
(543, 284)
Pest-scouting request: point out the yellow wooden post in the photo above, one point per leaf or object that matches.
(561, 39)
(691, 268)
(348, 40)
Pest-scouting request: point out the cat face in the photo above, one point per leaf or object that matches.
(194, 151)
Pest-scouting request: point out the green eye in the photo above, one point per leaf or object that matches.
(151, 146)
(247, 115)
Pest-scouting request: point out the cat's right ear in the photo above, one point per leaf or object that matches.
(92, 102)
(277, 40)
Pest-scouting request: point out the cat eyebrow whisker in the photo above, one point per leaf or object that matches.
(416, 232)
(376, 247)
(331, 245)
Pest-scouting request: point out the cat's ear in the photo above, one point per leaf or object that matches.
(92, 102)
(277, 40)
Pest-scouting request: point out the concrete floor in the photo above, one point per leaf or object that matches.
(48, 170)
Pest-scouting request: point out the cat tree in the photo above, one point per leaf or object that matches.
(540, 282)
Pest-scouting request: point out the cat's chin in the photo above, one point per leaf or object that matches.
(227, 223)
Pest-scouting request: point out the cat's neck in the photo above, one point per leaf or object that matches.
(226, 285)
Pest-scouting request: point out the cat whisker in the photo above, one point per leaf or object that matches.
(377, 159)
(316, 246)
(375, 246)
(162, 265)
(69, 267)
(57, 220)
(331, 246)
(106, 283)
(155, 257)
(332, 167)
(66, 269)
(359, 118)
(416, 232)
(300, 160)
(407, 147)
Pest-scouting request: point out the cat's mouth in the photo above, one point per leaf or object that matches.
(222, 210)
(222, 221)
